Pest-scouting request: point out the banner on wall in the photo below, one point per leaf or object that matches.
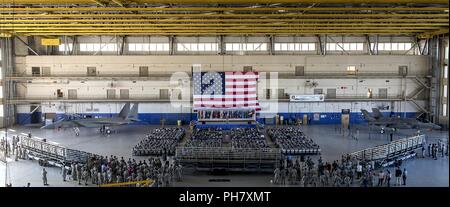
(307, 98)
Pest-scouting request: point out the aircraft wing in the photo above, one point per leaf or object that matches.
(423, 125)
(99, 123)
(62, 124)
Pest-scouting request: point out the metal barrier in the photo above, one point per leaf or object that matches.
(391, 150)
(230, 159)
(51, 152)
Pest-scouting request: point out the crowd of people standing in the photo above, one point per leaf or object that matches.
(107, 170)
(346, 172)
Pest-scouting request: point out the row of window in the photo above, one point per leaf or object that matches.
(295, 46)
(203, 47)
(210, 47)
(345, 46)
(158, 47)
(392, 46)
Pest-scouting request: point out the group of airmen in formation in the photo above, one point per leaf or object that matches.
(103, 170)
(435, 148)
(159, 142)
(291, 138)
(248, 138)
(205, 138)
(13, 148)
(347, 172)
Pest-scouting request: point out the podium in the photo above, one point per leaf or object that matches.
(226, 118)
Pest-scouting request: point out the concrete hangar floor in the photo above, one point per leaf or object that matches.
(423, 172)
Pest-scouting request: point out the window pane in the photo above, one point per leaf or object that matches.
(351, 68)
(153, 47)
(208, 47)
(277, 46)
(446, 71)
(394, 46)
(228, 47)
(131, 47)
(387, 46)
(201, 47)
(408, 46)
(352, 46)
(446, 53)
(1, 111)
(331, 46)
(263, 47)
(249, 47)
(444, 109)
(312, 46)
(284, 47)
(291, 46)
(445, 91)
(166, 47)
(236, 47)
(346, 46)
(360, 46)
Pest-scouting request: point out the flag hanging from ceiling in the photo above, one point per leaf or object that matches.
(225, 90)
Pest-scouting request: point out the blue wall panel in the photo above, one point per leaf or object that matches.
(171, 118)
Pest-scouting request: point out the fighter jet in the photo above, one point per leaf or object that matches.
(394, 123)
(126, 116)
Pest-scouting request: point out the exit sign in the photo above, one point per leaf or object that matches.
(50, 41)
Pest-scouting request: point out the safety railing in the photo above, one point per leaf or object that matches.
(52, 152)
(390, 150)
(222, 157)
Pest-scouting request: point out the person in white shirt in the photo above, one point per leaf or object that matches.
(359, 170)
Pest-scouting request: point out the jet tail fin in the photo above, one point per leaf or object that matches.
(125, 111)
(376, 113)
(133, 115)
(366, 115)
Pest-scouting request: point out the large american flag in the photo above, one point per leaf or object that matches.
(225, 90)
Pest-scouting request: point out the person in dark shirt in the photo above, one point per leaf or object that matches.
(398, 175)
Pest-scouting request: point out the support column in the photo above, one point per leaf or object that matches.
(435, 71)
(8, 88)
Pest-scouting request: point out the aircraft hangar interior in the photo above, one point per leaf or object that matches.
(230, 93)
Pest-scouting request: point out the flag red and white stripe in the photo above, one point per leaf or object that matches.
(240, 91)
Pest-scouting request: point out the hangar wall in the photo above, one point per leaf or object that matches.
(381, 72)
(153, 113)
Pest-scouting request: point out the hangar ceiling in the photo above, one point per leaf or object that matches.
(423, 18)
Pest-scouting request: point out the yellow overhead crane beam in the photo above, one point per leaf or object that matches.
(232, 1)
(409, 20)
(221, 31)
(206, 28)
(426, 35)
(3, 26)
(91, 9)
(4, 16)
(263, 20)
